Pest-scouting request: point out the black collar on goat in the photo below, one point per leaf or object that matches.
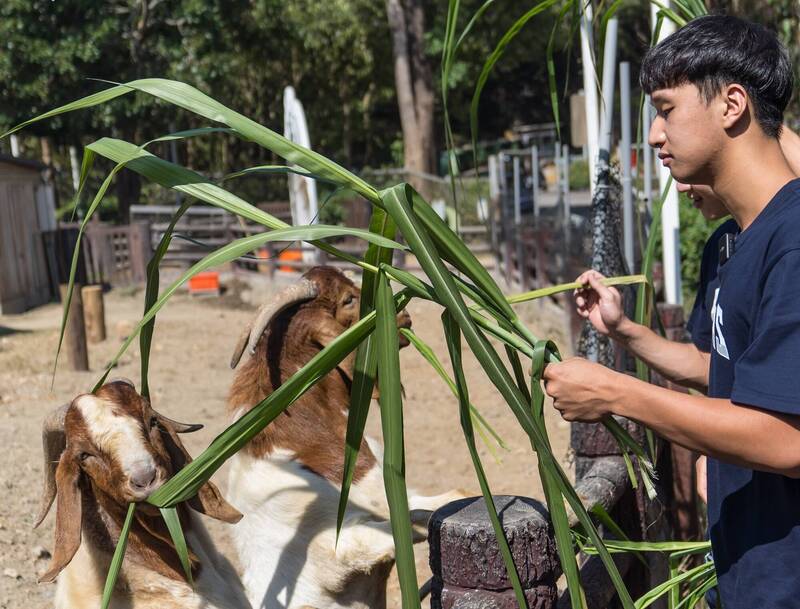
(103, 451)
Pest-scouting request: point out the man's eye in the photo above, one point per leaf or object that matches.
(664, 112)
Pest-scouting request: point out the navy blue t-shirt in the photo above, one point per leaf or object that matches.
(754, 516)
(699, 324)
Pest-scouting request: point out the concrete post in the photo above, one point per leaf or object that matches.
(468, 569)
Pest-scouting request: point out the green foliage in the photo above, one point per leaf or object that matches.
(579, 175)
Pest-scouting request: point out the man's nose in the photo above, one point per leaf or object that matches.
(655, 136)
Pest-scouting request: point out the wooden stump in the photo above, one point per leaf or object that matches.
(75, 332)
(94, 313)
(468, 569)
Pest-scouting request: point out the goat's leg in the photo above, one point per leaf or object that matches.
(363, 545)
(434, 502)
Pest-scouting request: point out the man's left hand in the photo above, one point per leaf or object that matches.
(582, 390)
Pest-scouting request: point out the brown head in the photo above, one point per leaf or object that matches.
(325, 293)
(113, 445)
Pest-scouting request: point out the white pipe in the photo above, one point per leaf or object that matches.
(647, 157)
(609, 71)
(670, 221)
(567, 202)
(75, 167)
(517, 192)
(14, 145)
(589, 92)
(535, 180)
(625, 161)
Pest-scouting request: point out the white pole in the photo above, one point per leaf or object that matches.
(647, 157)
(567, 208)
(517, 192)
(14, 145)
(589, 92)
(535, 180)
(670, 222)
(75, 167)
(625, 160)
(609, 71)
(494, 178)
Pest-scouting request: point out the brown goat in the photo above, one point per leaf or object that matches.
(287, 479)
(284, 336)
(102, 452)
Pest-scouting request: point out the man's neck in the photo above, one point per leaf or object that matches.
(749, 175)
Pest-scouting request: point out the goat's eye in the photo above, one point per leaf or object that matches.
(348, 299)
(153, 422)
(83, 456)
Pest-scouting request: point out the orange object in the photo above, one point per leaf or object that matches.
(204, 283)
(290, 255)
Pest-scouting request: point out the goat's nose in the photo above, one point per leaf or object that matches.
(142, 476)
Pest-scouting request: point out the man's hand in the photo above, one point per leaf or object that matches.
(600, 304)
(582, 390)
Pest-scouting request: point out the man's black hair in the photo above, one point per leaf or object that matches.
(718, 50)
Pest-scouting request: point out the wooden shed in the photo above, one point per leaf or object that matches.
(27, 207)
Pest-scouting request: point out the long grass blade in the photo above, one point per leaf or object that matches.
(574, 285)
(151, 295)
(116, 559)
(170, 515)
(366, 362)
(453, 337)
(391, 403)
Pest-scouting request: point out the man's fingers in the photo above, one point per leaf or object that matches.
(597, 284)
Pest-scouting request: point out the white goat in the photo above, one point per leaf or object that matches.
(106, 450)
(286, 481)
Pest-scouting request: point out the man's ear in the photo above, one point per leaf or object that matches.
(209, 500)
(735, 110)
(68, 516)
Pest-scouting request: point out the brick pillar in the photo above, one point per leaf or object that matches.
(468, 569)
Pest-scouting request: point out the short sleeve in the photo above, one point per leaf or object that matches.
(767, 375)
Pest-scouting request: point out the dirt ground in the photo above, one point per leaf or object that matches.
(190, 378)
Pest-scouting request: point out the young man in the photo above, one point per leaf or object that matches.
(720, 86)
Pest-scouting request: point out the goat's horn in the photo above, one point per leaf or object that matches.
(53, 442)
(180, 427)
(298, 292)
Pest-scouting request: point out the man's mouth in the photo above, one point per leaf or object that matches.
(666, 159)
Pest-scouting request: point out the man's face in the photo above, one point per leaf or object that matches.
(686, 132)
(704, 199)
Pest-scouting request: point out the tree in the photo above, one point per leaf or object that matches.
(414, 84)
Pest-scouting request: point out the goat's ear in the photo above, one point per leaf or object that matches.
(68, 516)
(209, 500)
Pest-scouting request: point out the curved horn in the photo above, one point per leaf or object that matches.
(178, 426)
(53, 442)
(304, 289)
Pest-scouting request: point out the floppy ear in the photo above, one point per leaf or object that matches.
(209, 500)
(68, 516)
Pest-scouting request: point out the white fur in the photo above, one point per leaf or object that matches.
(287, 538)
(120, 437)
(80, 584)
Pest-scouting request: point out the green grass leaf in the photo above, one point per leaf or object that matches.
(391, 403)
(170, 515)
(116, 559)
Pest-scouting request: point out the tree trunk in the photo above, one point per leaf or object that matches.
(412, 75)
(129, 187)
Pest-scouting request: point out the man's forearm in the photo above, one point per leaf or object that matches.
(741, 435)
(681, 363)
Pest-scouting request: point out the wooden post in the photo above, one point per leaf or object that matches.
(94, 313)
(75, 332)
(468, 569)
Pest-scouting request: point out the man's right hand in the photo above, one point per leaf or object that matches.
(600, 304)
